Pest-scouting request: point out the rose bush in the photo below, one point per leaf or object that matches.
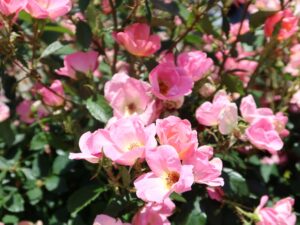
(119, 112)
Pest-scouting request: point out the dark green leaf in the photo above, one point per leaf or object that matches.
(15, 203)
(34, 195)
(39, 141)
(60, 164)
(83, 34)
(99, 108)
(235, 182)
(83, 197)
(83, 4)
(258, 18)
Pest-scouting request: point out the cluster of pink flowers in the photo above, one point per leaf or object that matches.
(40, 9)
(264, 130)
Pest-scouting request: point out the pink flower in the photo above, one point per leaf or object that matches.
(54, 95)
(4, 112)
(268, 5)
(296, 99)
(90, 145)
(251, 113)
(137, 40)
(169, 82)
(107, 220)
(177, 133)
(154, 213)
(215, 193)
(83, 62)
(288, 26)
(167, 175)
(106, 7)
(128, 96)
(240, 66)
(277, 158)
(208, 113)
(30, 111)
(127, 139)
(238, 29)
(228, 119)
(293, 67)
(195, 63)
(10, 7)
(206, 170)
(281, 213)
(43, 9)
(262, 135)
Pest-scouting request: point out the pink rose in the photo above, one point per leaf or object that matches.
(43, 9)
(90, 145)
(215, 193)
(106, 7)
(154, 213)
(167, 175)
(238, 29)
(137, 40)
(128, 96)
(10, 7)
(169, 82)
(262, 135)
(29, 111)
(209, 112)
(289, 24)
(83, 62)
(177, 133)
(107, 220)
(4, 112)
(195, 63)
(206, 170)
(54, 95)
(293, 67)
(280, 213)
(296, 98)
(127, 139)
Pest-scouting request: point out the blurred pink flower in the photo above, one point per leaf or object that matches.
(128, 96)
(106, 7)
(277, 158)
(107, 220)
(170, 82)
(195, 63)
(280, 213)
(215, 193)
(29, 111)
(238, 29)
(293, 67)
(127, 139)
(154, 213)
(83, 62)
(4, 112)
(268, 5)
(177, 133)
(11, 7)
(262, 135)
(206, 170)
(296, 98)
(43, 9)
(288, 26)
(90, 145)
(167, 175)
(137, 40)
(54, 95)
(209, 112)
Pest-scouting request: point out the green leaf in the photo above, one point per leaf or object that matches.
(15, 203)
(148, 11)
(60, 164)
(233, 83)
(51, 183)
(6, 133)
(235, 182)
(196, 217)
(10, 219)
(177, 197)
(266, 172)
(34, 195)
(39, 141)
(83, 4)
(99, 108)
(83, 197)
(83, 34)
(53, 47)
(259, 18)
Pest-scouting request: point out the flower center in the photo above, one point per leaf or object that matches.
(134, 145)
(130, 109)
(163, 87)
(172, 178)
